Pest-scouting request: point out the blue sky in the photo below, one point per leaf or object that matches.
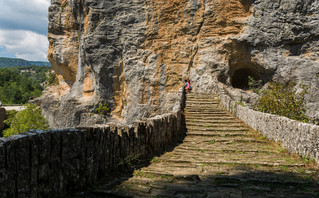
(23, 29)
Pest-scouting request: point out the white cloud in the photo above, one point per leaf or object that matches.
(21, 14)
(25, 44)
(36, 7)
(23, 29)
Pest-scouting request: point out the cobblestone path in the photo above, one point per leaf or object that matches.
(220, 157)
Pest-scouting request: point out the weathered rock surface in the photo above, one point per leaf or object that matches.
(135, 54)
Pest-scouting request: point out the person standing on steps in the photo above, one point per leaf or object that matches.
(188, 86)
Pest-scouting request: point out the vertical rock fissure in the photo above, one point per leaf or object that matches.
(81, 72)
(202, 21)
(191, 62)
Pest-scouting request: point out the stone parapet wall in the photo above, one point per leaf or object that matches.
(3, 117)
(296, 137)
(55, 163)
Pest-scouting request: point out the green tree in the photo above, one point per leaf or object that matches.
(284, 100)
(29, 118)
(18, 84)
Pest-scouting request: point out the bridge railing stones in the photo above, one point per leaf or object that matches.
(297, 137)
(3, 117)
(55, 163)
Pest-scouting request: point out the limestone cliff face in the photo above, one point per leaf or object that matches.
(135, 54)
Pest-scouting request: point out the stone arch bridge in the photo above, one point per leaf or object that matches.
(201, 150)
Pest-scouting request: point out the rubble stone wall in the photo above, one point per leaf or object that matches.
(295, 136)
(55, 163)
(3, 117)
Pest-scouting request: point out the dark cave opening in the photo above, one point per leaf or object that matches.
(240, 78)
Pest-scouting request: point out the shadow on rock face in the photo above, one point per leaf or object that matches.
(241, 65)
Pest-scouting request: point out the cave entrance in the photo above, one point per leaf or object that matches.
(240, 78)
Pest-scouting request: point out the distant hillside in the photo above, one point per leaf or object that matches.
(40, 63)
(14, 62)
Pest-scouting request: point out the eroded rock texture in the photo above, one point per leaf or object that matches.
(135, 54)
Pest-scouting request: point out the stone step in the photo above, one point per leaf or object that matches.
(214, 118)
(212, 99)
(192, 182)
(203, 108)
(210, 171)
(214, 124)
(202, 99)
(216, 186)
(216, 129)
(216, 149)
(225, 140)
(214, 155)
(211, 120)
(253, 162)
(210, 117)
(203, 104)
(220, 147)
(214, 134)
(223, 143)
(200, 115)
(201, 95)
(205, 111)
(196, 98)
(190, 100)
(213, 181)
(239, 150)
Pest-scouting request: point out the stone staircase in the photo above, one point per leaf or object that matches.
(219, 157)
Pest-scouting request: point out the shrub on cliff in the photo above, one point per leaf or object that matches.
(29, 118)
(103, 109)
(254, 85)
(284, 100)
(51, 78)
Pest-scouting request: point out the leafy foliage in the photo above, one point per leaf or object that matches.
(18, 84)
(284, 100)
(254, 85)
(30, 118)
(241, 103)
(52, 79)
(103, 109)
